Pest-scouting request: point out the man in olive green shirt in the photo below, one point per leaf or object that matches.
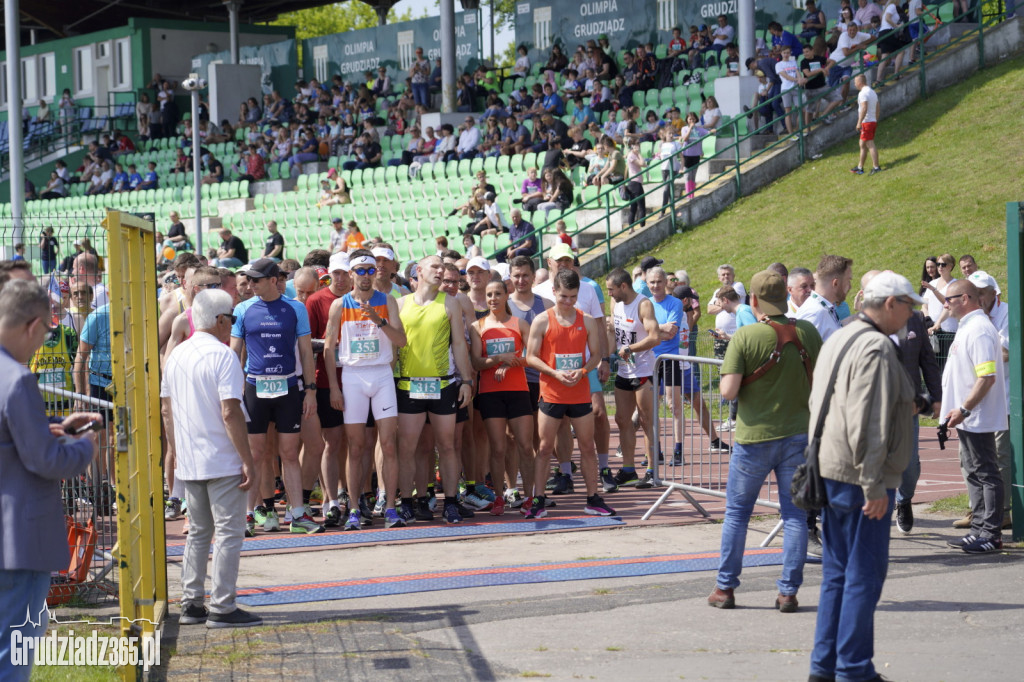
(771, 434)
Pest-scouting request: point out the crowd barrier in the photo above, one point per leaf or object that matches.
(693, 420)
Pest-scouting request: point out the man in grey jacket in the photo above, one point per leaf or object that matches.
(34, 456)
(865, 446)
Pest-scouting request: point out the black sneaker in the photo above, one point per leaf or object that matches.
(647, 481)
(718, 445)
(626, 478)
(874, 170)
(814, 548)
(423, 512)
(366, 510)
(332, 519)
(564, 485)
(193, 614)
(983, 546)
(452, 513)
(608, 483)
(960, 543)
(553, 481)
(465, 512)
(236, 619)
(407, 512)
(905, 517)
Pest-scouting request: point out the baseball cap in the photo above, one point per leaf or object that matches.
(770, 290)
(339, 261)
(504, 270)
(649, 262)
(337, 220)
(489, 196)
(478, 262)
(983, 280)
(888, 283)
(559, 251)
(264, 267)
(382, 252)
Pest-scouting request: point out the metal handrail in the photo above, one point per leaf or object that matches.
(802, 104)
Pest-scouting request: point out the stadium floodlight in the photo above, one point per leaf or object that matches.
(194, 84)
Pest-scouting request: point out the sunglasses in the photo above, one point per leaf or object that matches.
(450, 282)
(950, 298)
(365, 271)
(232, 317)
(943, 265)
(211, 285)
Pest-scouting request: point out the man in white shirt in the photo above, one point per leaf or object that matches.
(974, 403)
(799, 284)
(789, 72)
(867, 122)
(727, 276)
(832, 282)
(850, 43)
(469, 139)
(723, 35)
(202, 392)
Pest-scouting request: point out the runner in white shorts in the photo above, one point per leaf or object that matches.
(363, 329)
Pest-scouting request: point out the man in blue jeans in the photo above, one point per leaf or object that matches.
(771, 432)
(865, 446)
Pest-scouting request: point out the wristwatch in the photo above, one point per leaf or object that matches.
(964, 411)
(383, 323)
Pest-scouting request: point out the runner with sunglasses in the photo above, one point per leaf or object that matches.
(363, 331)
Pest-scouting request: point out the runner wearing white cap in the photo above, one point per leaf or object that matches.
(387, 268)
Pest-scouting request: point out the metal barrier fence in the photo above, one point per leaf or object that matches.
(692, 413)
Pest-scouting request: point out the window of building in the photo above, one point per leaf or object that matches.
(122, 63)
(47, 76)
(542, 28)
(320, 62)
(29, 91)
(83, 70)
(666, 15)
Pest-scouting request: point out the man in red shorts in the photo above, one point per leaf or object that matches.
(867, 121)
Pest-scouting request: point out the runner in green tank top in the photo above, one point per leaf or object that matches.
(433, 325)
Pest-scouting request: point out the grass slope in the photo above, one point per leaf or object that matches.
(952, 162)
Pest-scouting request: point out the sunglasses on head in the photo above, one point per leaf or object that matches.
(231, 316)
(365, 271)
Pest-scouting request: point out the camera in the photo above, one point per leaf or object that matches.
(943, 434)
(193, 82)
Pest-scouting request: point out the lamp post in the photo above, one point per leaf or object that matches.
(194, 84)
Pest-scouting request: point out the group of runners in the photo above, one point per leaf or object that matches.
(385, 395)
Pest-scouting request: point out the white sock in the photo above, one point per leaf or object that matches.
(602, 461)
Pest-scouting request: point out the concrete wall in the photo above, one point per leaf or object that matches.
(953, 66)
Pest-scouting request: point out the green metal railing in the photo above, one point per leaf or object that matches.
(608, 201)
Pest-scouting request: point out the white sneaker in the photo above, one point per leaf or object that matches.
(474, 501)
(727, 425)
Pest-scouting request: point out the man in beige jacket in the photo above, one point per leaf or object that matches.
(865, 446)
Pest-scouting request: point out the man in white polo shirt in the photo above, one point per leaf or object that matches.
(832, 282)
(974, 403)
(202, 389)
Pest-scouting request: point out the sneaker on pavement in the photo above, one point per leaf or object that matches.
(464, 511)
(332, 519)
(172, 509)
(354, 520)
(553, 481)
(647, 481)
(718, 445)
(382, 501)
(271, 523)
(965, 522)
(498, 508)
(626, 478)
(960, 543)
(983, 546)
(513, 500)
(596, 507)
(483, 492)
(259, 515)
(432, 500)
(305, 524)
(451, 514)
(406, 511)
(564, 485)
(474, 501)
(608, 483)
(904, 517)
(423, 512)
(193, 614)
(722, 599)
(250, 526)
(813, 543)
(288, 515)
(365, 510)
(537, 510)
(392, 519)
(345, 502)
(236, 619)
(727, 425)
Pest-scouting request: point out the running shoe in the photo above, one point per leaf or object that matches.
(236, 619)
(538, 511)
(406, 511)
(727, 425)
(960, 543)
(983, 546)
(392, 519)
(345, 502)
(172, 509)
(271, 523)
(423, 512)
(498, 508)
(431, 499)
(451, 513)
(647, 481)
(904, 517)
(260, 514)
(564, 485)
(553, 481)
(718, 445)
(332, 519)
(288, 515)
(608, 483)
(354, 520)
(513, 499)
(874, 170)
(857, 170)
(186, 527)
(278, 489)
(484, 491)
(382, 501)
(464, 511)
(526, 508)
(474, 501)
(365, 510)
(193, 614)
(305, 524)
(317, 495)
(250, 526)
(596, 507)
(626, 478)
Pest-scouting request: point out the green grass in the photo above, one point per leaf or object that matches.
(956, 505)
(952, 162)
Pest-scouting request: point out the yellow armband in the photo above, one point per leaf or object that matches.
(985, 369)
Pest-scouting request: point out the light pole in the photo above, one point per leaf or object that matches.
(194, 84)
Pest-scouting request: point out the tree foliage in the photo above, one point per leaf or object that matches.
(336, 18)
